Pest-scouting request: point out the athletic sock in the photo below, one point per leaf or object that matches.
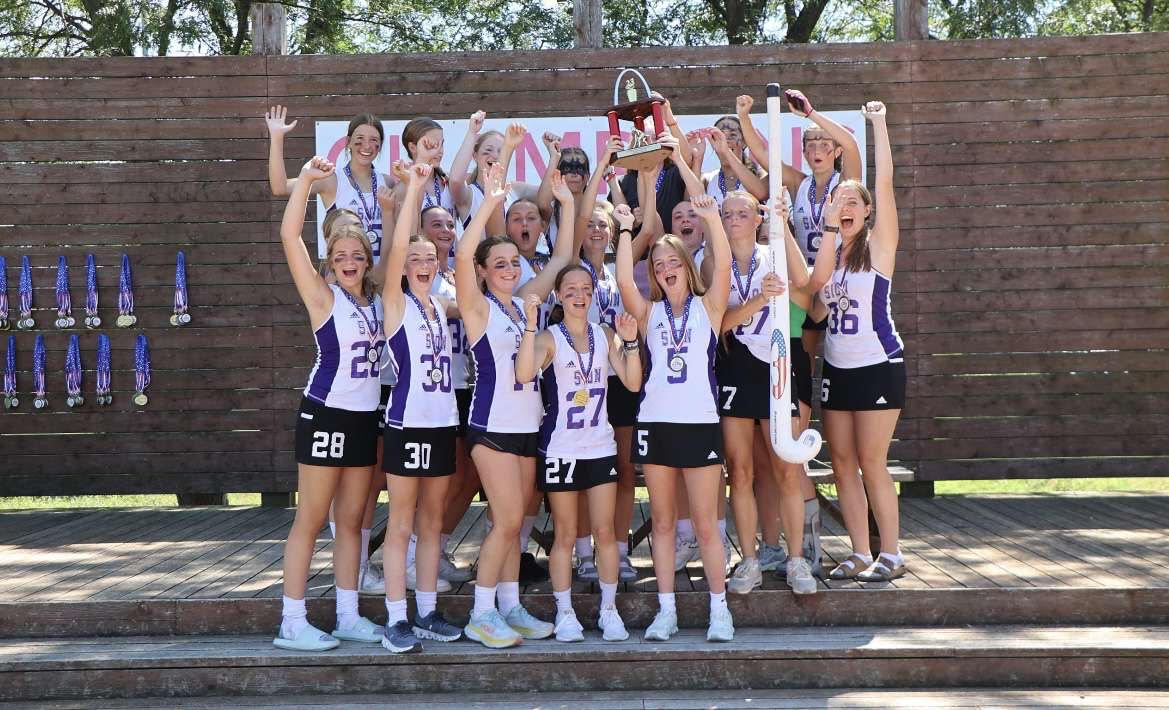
(395, 611)
(346, 607)
(411, 550)
(426, 602)
(484, 599)
(584, 547)
(563, 602)
(526, 531)
(365, 532)
(509, 596)
(718, 601)
(294, 617)
(623, 549)
(666, 602)
(608, 595)
(685, 529)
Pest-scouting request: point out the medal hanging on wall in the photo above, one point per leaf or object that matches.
(11, 400)
(26, 321)
(40, 400)
(92, 320)
(73, 372)
(64, 300)
(141, 370)
(104, 398)
(677, 362)
(126, 317)
(4, 323)
(180, 316)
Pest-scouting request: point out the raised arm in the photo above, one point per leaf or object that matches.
(719, 249)
(751, 137)
(885, 228)
(850, 160)
(750, 180)
(798, 273)
(651, 221)
(536, 349)
(392, 298)
(631, 298)
(460, 191)
(825, 262)
(543, 197)
(316, 294)
(472, 304)
(588, 197)
(563, 251)
(694, 186)
(625, 351)
(389, 207)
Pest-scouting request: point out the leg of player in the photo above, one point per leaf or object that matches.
(702, 485)
(602, 501)
(370, 579)
(564, 521)
(349, 507)
(874, 431)
(772, 555)
(429, 622)
(790, 478)
(739, 440)
(501, 477)
(403, 492)
(662, 481)
(315, 488)
(623, 513)
(850, 490)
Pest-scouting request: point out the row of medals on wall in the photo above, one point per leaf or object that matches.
(92, 321)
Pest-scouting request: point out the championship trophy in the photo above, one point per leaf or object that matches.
(643, 152)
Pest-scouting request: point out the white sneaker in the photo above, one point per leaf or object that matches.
(568, 628)
(685, 551)
(448, 570)
(612, 627)
(747, 576)
(799, 576)
(722, 627)
(412, 581)
(373, 581)
(664, 625)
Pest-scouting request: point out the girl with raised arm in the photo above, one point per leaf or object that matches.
(336, 426)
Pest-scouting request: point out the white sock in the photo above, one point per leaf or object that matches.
(896, 559)
(333, 529)
(294, 617)
(411, 550)
(623, 549)
(364, 548)
(426, 602)
(685, 529)
(584, 547)
(508, 596)
(718, 601)
(608, 595)
(484, 599)
(526, 531)
(563, 602)
(666, 602)
(346, 607)
(443, 541)
(395, 610)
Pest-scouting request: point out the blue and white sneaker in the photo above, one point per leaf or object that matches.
(399, 638)
(625, 570)
(435, 627)
(362, 630)
(489, 629)
(586, 570)
(771, 558)
(310, 638)
(527, 625)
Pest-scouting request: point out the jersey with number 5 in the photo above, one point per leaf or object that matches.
(860, 319)
(686, 393)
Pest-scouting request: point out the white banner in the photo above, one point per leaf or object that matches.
(588, 132)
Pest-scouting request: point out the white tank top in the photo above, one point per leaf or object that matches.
(606, 297)
(460, 369)
(861, 333)
(756, 333)
(350, 197)
(718, 188)
(421, 347)
(343, 377)
(806, 215)
(686, 395)
(500, 404)
(571, 430)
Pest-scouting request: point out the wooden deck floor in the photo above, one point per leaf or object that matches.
(1100, 541)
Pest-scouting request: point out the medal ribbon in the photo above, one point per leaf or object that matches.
(90, 286)
(744, 289)
(125, 288)
(603, 295)
(522, 324)
(371, 215)
(372, 328)
(64, 302)
(3, 289)
(141, 364)
(722, 183)
(817, 210)
(103, 364)
(73, 366)
(180, 283)
(38, 367)
(661, 179)
(584, 373)
(10, 368)
(25, 288)
(675, 336)
(436, 341)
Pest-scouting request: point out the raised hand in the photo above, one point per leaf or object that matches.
(779, 209)
(615, 144)
(626, 326)
(385, 200)
(873, 109)
(400, 169)
(624, 216)
(531, 308)
(706, 208)
(771, 286)
(495, 189)
(552, 143)
(559, 189)
(743, 105)
(275, 120)
(718, 140)
(515, 135)
(419, 174)
(316, 169)
(831, 217)
(475, 123)
(799, 104)
(668, 140)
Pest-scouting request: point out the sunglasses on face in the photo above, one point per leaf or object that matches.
(573, 167)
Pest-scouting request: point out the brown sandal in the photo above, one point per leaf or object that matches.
(850, 568)
(883, 569)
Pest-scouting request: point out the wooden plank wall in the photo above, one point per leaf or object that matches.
(1032, 189)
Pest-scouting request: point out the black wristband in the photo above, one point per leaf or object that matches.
(623, 231)
(528, 331)
(629, 343)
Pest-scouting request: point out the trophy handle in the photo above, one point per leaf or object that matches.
(617, 85)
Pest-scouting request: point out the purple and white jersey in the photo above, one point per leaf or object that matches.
(686, 394)
(860, 333)
(420, 400)
(571, 430)
(606, 296)
(343, 377)
(756, 333)
(365, 205)
(806, 216)
(500, 404)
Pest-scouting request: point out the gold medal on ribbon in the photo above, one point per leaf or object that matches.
(581, 398)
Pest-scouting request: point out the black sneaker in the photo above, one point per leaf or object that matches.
(530, 570)
(400, 638)
(433, 626)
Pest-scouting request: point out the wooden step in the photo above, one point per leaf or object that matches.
(762, 607)
(872, 657)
